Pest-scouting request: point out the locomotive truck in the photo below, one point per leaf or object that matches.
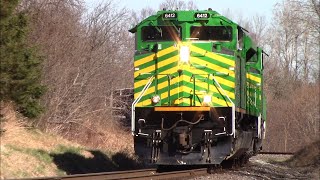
(198, 90)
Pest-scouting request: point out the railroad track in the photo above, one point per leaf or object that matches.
(132, 175)
(276, 153)
(142, 173)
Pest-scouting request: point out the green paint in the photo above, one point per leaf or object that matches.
(240, 49)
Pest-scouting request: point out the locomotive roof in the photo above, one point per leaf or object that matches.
(182, 16)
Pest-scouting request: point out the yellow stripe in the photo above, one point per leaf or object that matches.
(173, 70)
(172, 92)
(149, 69)
(213, 66)
(213, 55)
(143, 60)
(176, 80)
(149, 91)
(204, 85)
(186, 100)
(221, 80)
(161, 85)
(152, 67)
(214, 99)
(214, 89)
(166, 51)
(182, 108)
(186, 78)
(225, 82)
(167, 61)
(150, 57)
(254, 78)
(162, 96)
(185, 89)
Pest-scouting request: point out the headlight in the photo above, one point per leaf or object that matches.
(184, 54)
(206, 99)
(155, 99)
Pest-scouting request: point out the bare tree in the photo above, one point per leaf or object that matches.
(178, 5)
(291, 87)
(138, 16)
(86, 58)
(297, 27)
(291, 72)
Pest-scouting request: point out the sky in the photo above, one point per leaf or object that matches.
(247, 8)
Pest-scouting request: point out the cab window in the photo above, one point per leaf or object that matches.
(161, 33)
(211, 33)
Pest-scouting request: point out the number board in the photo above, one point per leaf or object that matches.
(169, 15)
(201, 15)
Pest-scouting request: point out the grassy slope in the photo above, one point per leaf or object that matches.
(29, 152)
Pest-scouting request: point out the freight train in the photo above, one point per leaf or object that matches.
(198, 90)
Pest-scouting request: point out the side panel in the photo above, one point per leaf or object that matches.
(241, 80)
(254, 99)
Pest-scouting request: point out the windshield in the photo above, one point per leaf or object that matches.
(211, 33)
(161, 33)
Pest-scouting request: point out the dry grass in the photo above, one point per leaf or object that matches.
(19, 164)
(115, 139)
(17, 132)
(24, 152)
(102, 135)
(307, 156)
(28, 152)
(307, 160)
(10, 125)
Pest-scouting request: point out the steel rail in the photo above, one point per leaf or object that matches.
(174, 174)
(132, 175)
(103, 175)
(276, 153)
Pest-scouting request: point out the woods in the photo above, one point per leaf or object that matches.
(85, 54)
(292, 78)
(20, 69)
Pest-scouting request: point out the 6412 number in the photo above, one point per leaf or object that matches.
(202, 15)
(169, 15)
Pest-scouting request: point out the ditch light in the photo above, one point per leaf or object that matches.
(207, 100)
(155, 99)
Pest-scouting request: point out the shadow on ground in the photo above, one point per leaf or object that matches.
(73, 163)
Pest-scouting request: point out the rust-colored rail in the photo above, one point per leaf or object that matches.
(276, 153)
(104, 175)
(132, 175)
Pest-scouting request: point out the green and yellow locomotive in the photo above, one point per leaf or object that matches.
(198, 89)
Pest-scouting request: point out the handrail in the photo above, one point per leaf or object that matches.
(135, 102)
(233, 109)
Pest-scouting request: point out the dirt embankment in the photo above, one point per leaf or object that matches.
(308, 156)
(27, 152)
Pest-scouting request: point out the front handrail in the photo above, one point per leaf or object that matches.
(233, 109)
(135, 102)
